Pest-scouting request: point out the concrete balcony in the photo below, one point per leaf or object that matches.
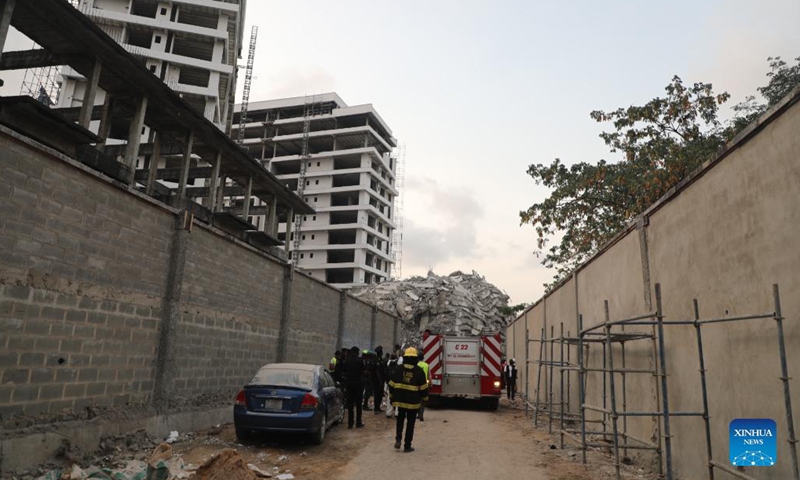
(122, 18)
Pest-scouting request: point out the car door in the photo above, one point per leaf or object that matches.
(331, 402)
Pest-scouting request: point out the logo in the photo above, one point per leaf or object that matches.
(753, 442)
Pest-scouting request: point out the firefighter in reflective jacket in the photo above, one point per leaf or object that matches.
(408, 388)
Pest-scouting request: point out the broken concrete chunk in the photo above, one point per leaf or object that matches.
(228, 465)
(457, 304)
(260, 473)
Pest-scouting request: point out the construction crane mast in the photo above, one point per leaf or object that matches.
(248, 80)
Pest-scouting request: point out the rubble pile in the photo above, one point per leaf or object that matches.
(457, 304)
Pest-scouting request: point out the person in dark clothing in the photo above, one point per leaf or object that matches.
(391, 371)
(407, 390)
(338, 371)
(353, 380)
(510, 374)
(378, 376)
(368, 358)
(503, 364)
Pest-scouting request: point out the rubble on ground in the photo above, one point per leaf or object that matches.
(228, 465)
(457, 304)
(162, 465)
(111, 444)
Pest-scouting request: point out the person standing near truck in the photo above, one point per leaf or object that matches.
(510, 375)
(377, 379)
(407, 390)
(391, 371)
(424, 366)
(353, 379)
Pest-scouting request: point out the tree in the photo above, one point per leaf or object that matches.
(510, 311)
(782, 79)
(661, 143)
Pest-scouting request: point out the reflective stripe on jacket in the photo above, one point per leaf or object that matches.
(409, 387)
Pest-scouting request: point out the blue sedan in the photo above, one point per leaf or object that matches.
(289, 397)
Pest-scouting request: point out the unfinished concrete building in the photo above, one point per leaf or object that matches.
(191, 45)
(338, 158)
(186, 161)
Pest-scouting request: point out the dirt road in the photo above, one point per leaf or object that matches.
(452, 444)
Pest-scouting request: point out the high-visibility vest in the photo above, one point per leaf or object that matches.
(424, 367)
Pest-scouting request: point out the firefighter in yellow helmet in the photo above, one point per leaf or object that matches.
(407, 390)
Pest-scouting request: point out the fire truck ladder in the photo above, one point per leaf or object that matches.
(248, 80)
(313, 107)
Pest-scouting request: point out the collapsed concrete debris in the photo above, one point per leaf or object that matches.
(456, 304)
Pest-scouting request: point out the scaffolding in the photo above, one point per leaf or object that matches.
(248, 80)
(397, 235)
(548, 364)
(313, 106)
(42, 83)
(611, 335)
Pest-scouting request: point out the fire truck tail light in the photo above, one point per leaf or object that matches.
(497, 384)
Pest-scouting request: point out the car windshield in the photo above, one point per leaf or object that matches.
(284, 378)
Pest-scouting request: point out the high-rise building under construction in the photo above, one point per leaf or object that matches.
(339, 159)
(192, 45)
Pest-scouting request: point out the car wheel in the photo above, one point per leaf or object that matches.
(340, 418)
(243, 435)
(319, 436)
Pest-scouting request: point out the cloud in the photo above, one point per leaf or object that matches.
(452, 217)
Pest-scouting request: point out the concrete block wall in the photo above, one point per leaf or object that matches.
(385, 331)
(357, 330)
(80, 275)
(65, 356)
(90, 271)
(313, 333)
(229, 327)
(723, 238)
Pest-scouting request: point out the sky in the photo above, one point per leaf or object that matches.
(476, 91)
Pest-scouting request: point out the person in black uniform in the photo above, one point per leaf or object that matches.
(378, 375)
(407, 390)
(353, 371)
(368, 358)
(510, 375)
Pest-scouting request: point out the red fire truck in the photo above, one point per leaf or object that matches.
(464, 367)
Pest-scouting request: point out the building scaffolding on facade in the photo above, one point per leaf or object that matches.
(313, 107)
(611, 336)
(248, 81)
(397, 237)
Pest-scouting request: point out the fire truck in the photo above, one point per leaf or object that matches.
(464, 367)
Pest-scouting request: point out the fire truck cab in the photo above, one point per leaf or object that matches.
(464, 367)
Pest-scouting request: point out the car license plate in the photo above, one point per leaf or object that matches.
(436, 382)
(273, 404)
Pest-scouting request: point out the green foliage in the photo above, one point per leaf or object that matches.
(661, 143)
(508, 310)
(782, 79)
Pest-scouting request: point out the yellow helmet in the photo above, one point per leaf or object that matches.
(410, 352)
